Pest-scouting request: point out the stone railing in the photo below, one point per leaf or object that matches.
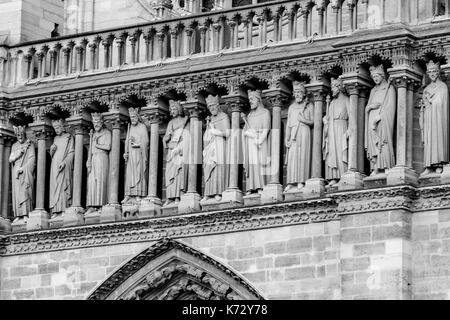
(214, 32)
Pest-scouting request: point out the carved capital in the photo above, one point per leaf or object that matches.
(277, 97)
(154, 114)
(42, 131)
(318, 90)
(80, 124)
(193, 109)
(235, 102)
(189, 31)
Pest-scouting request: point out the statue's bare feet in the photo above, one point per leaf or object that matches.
(218, 197)
(426, 172)
(332, 182)
(16, 220)
(248, 193)
(300, 186)
(289, 188)
(439, 170)
(177, 200)
(205, 199)
(167, 203)
(126, 200)
(259, 191)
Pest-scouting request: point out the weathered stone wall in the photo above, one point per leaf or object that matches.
(381, 255)
(27, 20)
(431, 254)
(295, 262)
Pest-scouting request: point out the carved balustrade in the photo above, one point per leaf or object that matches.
(254, 26)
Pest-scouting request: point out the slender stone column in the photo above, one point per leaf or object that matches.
(188, 45)
(190, 201)
(233, 195)
(356, 84)
(403, 173)
(315, 187)
(74, 215)
(6, 176)
(39, 217)
(151, 206)
(117, 117)
(232, 25)
(273, 192)
(5, 223)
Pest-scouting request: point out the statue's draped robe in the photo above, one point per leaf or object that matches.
(22, 185)
(257, 158)
(97, 189)
(137, 165)
(379, 135)
(335, 142)
(215, 155)
(177, 164)
(299, 155)
(61, 181)
(435, 119)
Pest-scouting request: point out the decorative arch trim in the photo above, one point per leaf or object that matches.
(172, 270)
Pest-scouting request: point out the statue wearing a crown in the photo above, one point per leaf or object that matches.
(256, 145)
(176, 141)
(380, 121)
(215, 149)
(62, 152)
(23, 161)
(335, 133)
(298, 139)
(434, 121)
(98, 164)
(136, 158)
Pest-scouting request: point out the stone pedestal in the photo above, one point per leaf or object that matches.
(170, 209)
(73, 217)
(19, 226)
(92, 217)
(272, 193)
(351, 180)
(430, 179)
(56, 222)
(111, 213)
(293, 195)
(150, 207)
(375, 181)
(130, 211)
(211, 204)
(401, 175)
(232, 198)
(5, 226)
(314, 188)
(252, 200)
(445, 176)
(38, 220)
(190, 202)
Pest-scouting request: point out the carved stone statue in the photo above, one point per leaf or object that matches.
(215, 149)
(61, 170)
(176, 141)
(434, 121)
(298, 138)
(23, 160)
(98, 164)
(335, 133)
(380, 120)
(136, 158)
(256, 145)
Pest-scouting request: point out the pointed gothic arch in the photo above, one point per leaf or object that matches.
(171, 270)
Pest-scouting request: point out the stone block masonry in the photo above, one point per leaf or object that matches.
(375, 255)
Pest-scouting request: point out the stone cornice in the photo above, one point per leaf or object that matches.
(233, 220)
(182, 226)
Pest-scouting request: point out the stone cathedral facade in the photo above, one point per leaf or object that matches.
(225, 149)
